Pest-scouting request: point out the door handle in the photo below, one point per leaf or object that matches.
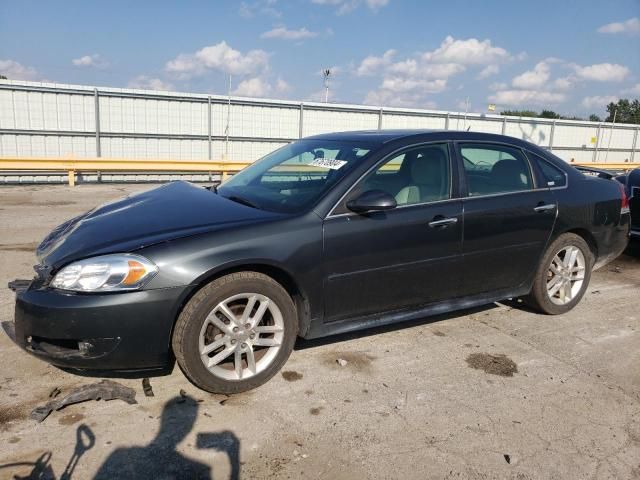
(545, 207)
(442, 222)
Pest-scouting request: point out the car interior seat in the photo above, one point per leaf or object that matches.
(428, 177)
(509, 175)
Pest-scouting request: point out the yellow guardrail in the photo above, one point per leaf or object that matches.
(73, 165)
(607, 166)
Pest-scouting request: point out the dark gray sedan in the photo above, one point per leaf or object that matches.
(328, 234)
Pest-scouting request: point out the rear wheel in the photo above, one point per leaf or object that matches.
(563, 275)
(235, 333)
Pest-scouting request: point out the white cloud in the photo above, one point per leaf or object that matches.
(372, 64)
(598, 101)
(283, 33)
(631, 26)
(602, 72)
(404, 85)
(220, 57)
(498, 86)
(253, 87)
(526, 98)
(259, 87)
(259, 7)
(635, 90)
(467, 52)
(144, 82)
(282, 86)
(16, 71)
(94, 60)
(488, 71)
(348, 6)
(410, 81)
(533, 79)
(388, 98)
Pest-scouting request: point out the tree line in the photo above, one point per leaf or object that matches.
(623, 111)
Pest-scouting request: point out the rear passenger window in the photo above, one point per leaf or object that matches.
(553, 176)
(492, 169)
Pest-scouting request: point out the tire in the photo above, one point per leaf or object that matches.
(215, 318)
(546, 277)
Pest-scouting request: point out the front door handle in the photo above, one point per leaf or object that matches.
(440, 221)
(545, 207)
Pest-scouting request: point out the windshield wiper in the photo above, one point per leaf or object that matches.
(243, 201)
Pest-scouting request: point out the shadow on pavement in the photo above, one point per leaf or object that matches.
(41, 467)
(160, 458)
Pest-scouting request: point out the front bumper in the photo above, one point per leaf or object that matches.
(117, 331)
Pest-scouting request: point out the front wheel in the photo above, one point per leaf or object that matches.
(563, 275)
(235, 333)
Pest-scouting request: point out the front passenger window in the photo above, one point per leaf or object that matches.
(417, 175)
(492, 169)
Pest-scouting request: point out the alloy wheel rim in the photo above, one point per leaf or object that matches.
(241, 336)
(565, 275)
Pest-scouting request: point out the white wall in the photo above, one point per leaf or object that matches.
(39, 119)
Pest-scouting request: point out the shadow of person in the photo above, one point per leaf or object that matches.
(160, 459)
(226, 442)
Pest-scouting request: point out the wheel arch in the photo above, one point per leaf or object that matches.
(276, 272)
(588, 237)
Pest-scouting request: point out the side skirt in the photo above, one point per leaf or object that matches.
(320, 329)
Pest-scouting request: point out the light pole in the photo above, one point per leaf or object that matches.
(326, 73)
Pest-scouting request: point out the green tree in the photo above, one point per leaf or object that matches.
(2, 77)
(624, 111)
(549, 114)
(594, 118)
(520, 113)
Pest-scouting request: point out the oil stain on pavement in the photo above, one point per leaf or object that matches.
(494, 364)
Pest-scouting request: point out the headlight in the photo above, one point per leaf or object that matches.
(107, 273)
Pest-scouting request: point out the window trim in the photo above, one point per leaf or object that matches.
(386, 158)
(533, 161)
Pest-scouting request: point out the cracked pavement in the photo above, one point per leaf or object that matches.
(405, 405)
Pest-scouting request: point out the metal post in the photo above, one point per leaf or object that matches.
(380, 119)
(504, 125)
(209, 126)
(553, 129)
(633, 145)
(97, 113)
(301, 123)
(595, 149)
(446, 122)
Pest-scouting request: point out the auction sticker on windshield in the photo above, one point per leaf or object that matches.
(328, 163)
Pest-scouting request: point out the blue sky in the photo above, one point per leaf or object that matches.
(570, 56)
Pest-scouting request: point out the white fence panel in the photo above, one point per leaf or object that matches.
(38, 119)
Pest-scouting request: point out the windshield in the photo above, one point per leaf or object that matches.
(294, 177)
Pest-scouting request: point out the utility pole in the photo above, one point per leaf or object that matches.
(466, 109)
(326, 74)
(606, 155)
(226, 129)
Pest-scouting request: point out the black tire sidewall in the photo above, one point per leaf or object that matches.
(210, 296)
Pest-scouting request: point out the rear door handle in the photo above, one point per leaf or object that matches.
(545, 207)
(442, 222)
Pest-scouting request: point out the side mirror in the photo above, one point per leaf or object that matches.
(372, 201)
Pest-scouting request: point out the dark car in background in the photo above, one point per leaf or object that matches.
(328, 234)
(631, 182)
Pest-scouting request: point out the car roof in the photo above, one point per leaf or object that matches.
(385, 136)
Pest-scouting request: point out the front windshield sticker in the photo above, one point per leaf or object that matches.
(327, 163)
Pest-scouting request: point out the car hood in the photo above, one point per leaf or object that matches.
(174, 210)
